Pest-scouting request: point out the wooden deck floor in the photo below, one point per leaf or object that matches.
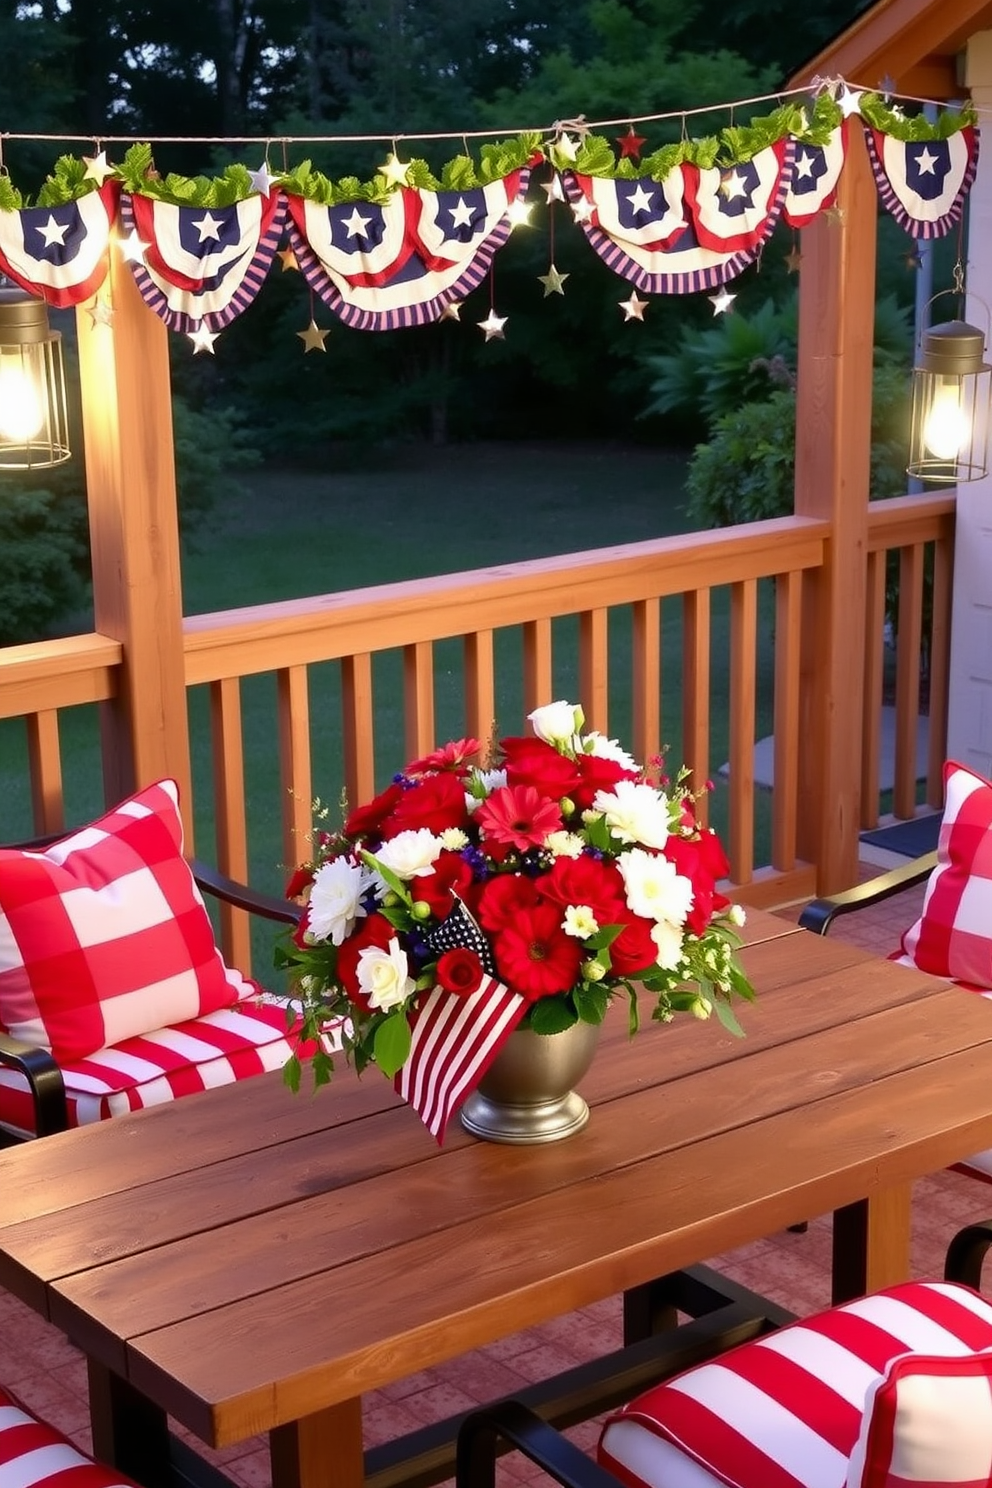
(50, 1375)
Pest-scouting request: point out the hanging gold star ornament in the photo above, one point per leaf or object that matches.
(565, 149)
(132, 247)
(582, 209)
(97, 168)
(850, 100)
(722, 302)
(492, 326)
(793, 259)
(101, 312)
(287, 258)
(261, 180)
(202, 339)
(554, 283)
(394, 170)
(553, 189)
(834, 214)
(634, 308)
(452, 311)
(313, 337)
(518, 213)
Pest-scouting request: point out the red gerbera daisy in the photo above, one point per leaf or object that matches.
(450, 756)
(518, 816)
(534, 955)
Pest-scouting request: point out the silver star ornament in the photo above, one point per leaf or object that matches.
(492, 326)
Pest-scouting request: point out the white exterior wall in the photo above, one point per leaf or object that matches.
(969, 735)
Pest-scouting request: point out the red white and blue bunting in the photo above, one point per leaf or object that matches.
(924, 183)
(404, 262)
(411, 255)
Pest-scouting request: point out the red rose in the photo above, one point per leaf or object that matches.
(367, 820)
(301, 879)
(373, 931)
(451, 875)
(459, 971)
(534, 955)
(502, 899)
(586, 880)
(532, 762)
(598, 773)
(633, 951)
(436, 802)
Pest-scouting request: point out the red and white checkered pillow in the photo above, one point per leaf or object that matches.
(953, 936)
(104, 935)
(821, 1404)
(35, 1455)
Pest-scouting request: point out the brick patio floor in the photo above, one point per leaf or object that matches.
(50, 1375)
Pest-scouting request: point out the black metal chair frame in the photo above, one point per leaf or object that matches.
(514, 1425)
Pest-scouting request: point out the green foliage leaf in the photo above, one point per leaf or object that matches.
(550, 1015)
(391, 1043)
(591, 1001)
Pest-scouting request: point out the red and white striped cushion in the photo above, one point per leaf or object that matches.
(953, 936)
(104, 935)
(218, 1049)
(787, 1410)
(35, 1455)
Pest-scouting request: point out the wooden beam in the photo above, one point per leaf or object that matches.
(134, 537)
(833, 447)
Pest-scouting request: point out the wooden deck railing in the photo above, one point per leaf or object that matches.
(646, 635)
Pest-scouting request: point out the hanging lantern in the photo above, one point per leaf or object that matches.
(33, 421)
(952, 394)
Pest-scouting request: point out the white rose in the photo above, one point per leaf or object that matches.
(557, 723)
(410, 853)
(634, 813)
(736, 915)
(653, 888)
(335, 900)
(384, 976)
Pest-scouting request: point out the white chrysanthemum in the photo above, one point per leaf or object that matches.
(736, 915)
(634, 813)
(668, 938)
(335, 900)
(611, 749)
(653, 888)
(579, 921)
(410, 853)
(384, 976)
(453, 839)
(557, 723)
(564, 845)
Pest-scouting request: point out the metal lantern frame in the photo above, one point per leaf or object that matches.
(952, 399)
(31, 364)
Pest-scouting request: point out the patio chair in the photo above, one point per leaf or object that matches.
(113, 995)
(884, 1392)
(952, 937)
(36, 1455)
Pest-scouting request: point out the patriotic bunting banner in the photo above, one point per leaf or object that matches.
(402, 262)
(60, 253)
(203, 265)
(454, 1041)
(815, 172)
(923, 183)
(692, 231)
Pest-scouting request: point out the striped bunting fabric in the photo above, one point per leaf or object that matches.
(203, 265)
(35, 1455)
(60, 253)
(924, 183)
(828, 1402)
(402, 262)
(692, 231)
(815, 172)
(455, 1040)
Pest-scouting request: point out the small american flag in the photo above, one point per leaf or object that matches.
(455, 1040)
(459, 930)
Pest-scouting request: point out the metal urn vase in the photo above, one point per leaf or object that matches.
(526, 1094)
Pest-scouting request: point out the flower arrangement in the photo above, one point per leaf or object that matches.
(563, 870)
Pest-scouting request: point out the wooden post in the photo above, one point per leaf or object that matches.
(833, 450)
(134, 536)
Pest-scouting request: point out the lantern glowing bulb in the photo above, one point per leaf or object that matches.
(21, 411)
(947, 428)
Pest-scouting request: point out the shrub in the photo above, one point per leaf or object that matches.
(43, 553)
